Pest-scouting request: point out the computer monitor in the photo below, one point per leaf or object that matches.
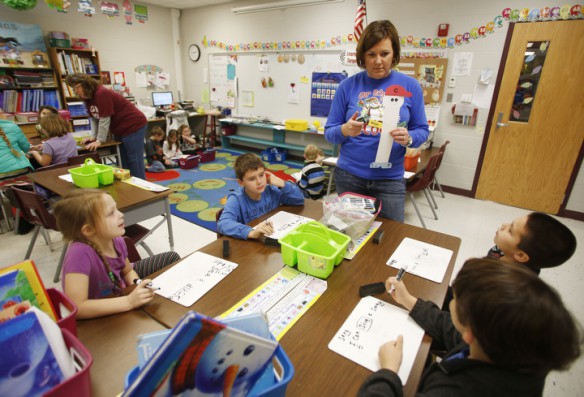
(162, 98)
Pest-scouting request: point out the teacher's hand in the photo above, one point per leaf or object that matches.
(93, 146)
(352, 127)
(400, 135)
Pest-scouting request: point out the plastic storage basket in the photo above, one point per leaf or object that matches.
(315, 248)
(61, 303)
(189, 162)
(79, 385)
(91, 175)
(272, 383)
(207, 155)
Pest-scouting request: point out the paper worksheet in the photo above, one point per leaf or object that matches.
(371, 324)
(422, 259)
(141, 183)
(192, 277)
(283, 222)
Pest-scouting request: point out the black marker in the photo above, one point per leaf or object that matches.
(138, 281)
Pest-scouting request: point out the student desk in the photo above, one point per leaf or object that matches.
(317, 368)
(409, 176)
(137, 204)
(111, 341)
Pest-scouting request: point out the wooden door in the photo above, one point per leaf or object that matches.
(534, 139)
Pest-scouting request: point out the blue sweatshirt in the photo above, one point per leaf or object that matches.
(241, 209)
(362, 94)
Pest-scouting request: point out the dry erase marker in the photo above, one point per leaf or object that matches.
(137, 281)
(399, 276)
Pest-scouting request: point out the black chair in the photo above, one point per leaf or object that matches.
(217, 216)
(137, 234)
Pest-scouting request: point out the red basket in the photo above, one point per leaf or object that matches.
(79, 385)
(228, 130)
(59, 301)
(189, 162)
(208, 155)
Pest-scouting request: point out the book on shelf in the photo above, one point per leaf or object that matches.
(20, 283)
(202, 355)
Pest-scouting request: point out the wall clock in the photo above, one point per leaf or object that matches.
(194, 52)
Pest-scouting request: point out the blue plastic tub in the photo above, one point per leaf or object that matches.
(273, 382)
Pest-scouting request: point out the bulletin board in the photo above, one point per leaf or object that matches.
(430, 72)
(280, 85)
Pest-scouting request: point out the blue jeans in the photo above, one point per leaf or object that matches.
(391, 193)
(132, 151)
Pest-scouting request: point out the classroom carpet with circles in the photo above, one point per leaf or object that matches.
(201, 191)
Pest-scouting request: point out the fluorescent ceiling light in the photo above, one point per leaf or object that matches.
(280, 5)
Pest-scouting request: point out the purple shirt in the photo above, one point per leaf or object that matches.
(61, 148)
(83, 259)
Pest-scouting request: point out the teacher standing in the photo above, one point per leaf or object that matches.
(112, 112)
(355, 121)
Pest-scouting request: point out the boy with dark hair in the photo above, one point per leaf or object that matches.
(312, 178)
(157, 161)
(261, 192)
(536, 241)
(499, 334)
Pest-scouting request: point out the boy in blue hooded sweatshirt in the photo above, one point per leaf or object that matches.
(261, 192)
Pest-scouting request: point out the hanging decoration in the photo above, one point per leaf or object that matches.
(127, 6)
(20, 5)
(86, 8)
(507, 15)
(110, 9)
(59, 5)
(140, 13)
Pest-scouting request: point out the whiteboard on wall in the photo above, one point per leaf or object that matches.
(279, 101)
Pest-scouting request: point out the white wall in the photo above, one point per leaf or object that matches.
(121, 47)
(417, 18)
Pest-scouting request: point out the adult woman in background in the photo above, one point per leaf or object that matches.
(112, 112)
(365, 164)
(13, 149)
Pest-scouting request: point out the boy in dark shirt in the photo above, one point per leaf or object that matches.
(506, 330)
(536, 241)
(157, 161)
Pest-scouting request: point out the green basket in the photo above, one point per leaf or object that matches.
(314, 248)
(91, 175)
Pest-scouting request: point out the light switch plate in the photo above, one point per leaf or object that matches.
(452, 82)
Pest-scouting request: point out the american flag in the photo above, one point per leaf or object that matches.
(360, 19)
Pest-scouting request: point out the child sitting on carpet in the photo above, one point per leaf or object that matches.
(189, 144)
(261, 192)
(171, 146)
(157, 161)
(312, 179)
(96, 265)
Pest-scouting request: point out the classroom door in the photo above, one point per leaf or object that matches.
(537, 127)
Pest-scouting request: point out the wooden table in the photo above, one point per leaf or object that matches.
(421, 166)
(316, 367)
(137, 204)
(112, 343)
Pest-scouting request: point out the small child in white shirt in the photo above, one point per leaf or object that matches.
(171, 146)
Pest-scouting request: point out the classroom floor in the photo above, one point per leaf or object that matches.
(474, 221)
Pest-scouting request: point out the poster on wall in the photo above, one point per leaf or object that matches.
(323, 89)
(223, 79)
(430, 73)
(22, 46)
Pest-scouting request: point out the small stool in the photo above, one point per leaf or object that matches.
(211, 123)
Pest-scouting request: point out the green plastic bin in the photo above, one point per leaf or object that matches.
(91, 175)
(314, 248)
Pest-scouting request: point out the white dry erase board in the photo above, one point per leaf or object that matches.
(371, 324)
(422, 259)
(273, 102)
(192, 277)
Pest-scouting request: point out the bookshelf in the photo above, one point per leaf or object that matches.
(68, 61)
(24, 90)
